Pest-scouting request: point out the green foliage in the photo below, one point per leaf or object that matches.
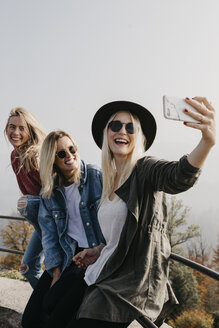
(177, 215)
(193, 319)
(10, 262)
(197, 294)
(185, 287)
(12, 274)
(15, 236)
(215, 261)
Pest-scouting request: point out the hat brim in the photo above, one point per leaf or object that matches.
(102, 116)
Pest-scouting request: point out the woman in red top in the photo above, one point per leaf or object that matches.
(25, 134)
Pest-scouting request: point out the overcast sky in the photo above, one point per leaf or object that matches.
(62, 60)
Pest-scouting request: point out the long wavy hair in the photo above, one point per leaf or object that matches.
(108, 162)
(28, 153)
(48, 169)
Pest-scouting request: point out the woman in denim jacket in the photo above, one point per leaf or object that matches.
(68, 221)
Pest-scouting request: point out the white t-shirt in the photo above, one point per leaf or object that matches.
(111, 216)
(75, 225)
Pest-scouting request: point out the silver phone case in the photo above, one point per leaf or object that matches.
(173, 109)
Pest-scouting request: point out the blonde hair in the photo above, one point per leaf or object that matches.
(108, 162)
(47, 163)
(28, 153)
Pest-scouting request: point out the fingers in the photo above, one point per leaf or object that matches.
(205, 114)
(80, 264)
(204, 110)
(79, 259)
(80, 255)
(205, 103)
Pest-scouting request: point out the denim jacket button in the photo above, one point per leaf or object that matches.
(82, 203)
(87, 224)
(56, 215)
(93, 244)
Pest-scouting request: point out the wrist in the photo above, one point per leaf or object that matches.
(99, 248)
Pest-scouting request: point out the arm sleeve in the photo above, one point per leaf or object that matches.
(50, 239)
(171, 177)
(30, 212)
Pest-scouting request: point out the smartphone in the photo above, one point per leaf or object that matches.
(173, 109)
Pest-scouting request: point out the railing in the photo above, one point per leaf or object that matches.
(13, 251)
(196, 266)
(143, 321)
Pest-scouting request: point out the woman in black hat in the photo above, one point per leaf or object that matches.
(130, 277)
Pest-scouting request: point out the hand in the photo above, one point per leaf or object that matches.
(22, 202)
(207, 126)
(206, 116)
(86, 257)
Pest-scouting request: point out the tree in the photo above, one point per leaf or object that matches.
(208, 288)
(177, 215)
(182, 280)
(215, 300)
(15, 236)
(199, 251)
(185, 288)
(215, 260)
(193, 319)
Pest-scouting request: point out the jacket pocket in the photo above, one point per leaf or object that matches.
(60, 221)
(57, 214)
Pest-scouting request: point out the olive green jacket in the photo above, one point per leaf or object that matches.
(134, 281)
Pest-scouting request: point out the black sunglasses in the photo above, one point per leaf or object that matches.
(62, 153)
(116, 126)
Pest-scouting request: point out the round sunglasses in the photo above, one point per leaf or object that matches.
(116, 126)
(62, 153)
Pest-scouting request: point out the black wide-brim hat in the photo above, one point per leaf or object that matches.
(102, 116)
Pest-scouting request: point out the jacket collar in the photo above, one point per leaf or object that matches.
(129, 194)
(83, 177)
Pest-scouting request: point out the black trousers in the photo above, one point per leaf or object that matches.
(49, 307)
(57, 307)
(89, 323)
(64, 313)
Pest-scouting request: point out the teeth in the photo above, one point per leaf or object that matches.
(121, 141)
(69, 162)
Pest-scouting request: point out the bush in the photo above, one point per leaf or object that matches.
(12, 274)
(185, 288)
(193, 319)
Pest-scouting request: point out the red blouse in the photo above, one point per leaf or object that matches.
(29, 182)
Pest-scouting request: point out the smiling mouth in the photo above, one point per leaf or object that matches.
(121, 142)
(15, 139)
(70, 161)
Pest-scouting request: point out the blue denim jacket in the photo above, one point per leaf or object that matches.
(58, 247)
